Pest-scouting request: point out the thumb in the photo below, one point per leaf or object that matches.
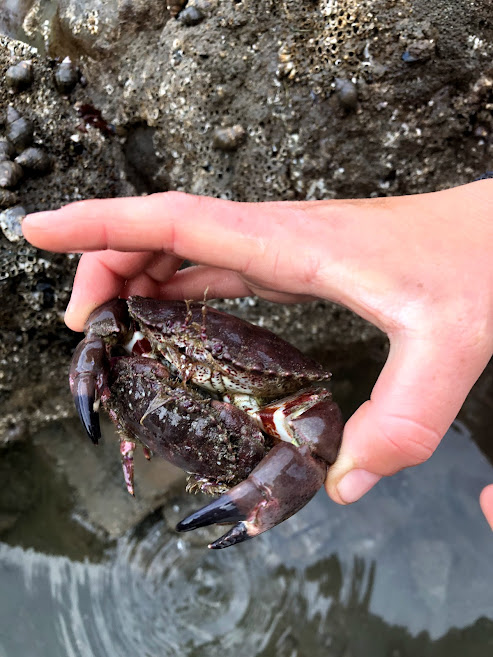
(413, 403)
(486, 501)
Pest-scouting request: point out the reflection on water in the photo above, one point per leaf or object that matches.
(388, 576)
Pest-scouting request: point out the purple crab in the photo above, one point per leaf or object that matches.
(245, 413)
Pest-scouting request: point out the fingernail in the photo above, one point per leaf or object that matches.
(69, 311)
(38, 219)
(355, 484)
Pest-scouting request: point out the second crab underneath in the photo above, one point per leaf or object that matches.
(245, 413)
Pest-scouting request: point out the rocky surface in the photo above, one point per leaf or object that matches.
(345, 98)
(310, 100)
(34, 286)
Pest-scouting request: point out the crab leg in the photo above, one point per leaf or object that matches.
(127, 448)
(86, 382)
(283, 482)
(286, 479)
(87, 369)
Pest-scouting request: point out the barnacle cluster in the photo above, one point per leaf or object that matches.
(326, 37)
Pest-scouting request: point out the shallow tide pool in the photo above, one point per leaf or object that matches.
(406, 571)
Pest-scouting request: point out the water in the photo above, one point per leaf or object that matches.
(406, 571)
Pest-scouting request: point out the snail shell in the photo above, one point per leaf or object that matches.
(18, 129)
(191, 16)
(347, 94)
(20, 76)
(7, 198)
(175, 6)
(35, 159)
(228, 139)
(66, 76)
(10, 173)
(7, 150)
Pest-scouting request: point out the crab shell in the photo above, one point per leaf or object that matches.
(229, 354)
(216, 443)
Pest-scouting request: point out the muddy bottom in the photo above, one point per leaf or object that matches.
(406, 571)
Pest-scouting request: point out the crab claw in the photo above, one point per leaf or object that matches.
(88, 367)
(86, 381)
(283, 482)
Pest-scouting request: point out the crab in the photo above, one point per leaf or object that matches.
(244, 413)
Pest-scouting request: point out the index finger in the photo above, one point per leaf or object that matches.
(275, 243)
(198, 228)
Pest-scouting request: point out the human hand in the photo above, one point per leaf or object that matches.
(486, 501)
(419, 267)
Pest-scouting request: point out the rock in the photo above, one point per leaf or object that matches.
(95, 475)
(10, 223)
(419, 51)
(35, 347)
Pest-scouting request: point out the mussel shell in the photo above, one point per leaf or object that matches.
(20, 76)
(7, 150)
(19, 130)
(66, 76)
(34, 159)
(10, 173)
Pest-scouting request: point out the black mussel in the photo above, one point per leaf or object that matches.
(20, 76)
(10, 173)
(34, 159)
(19, 130)
(67, 75)
(228, 139)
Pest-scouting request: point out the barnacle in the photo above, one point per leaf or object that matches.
(325, 38)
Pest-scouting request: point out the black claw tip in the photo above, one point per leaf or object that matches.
(236, 534)
(221, 510)
(88, 417)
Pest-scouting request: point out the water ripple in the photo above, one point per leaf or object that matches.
(160, 594)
